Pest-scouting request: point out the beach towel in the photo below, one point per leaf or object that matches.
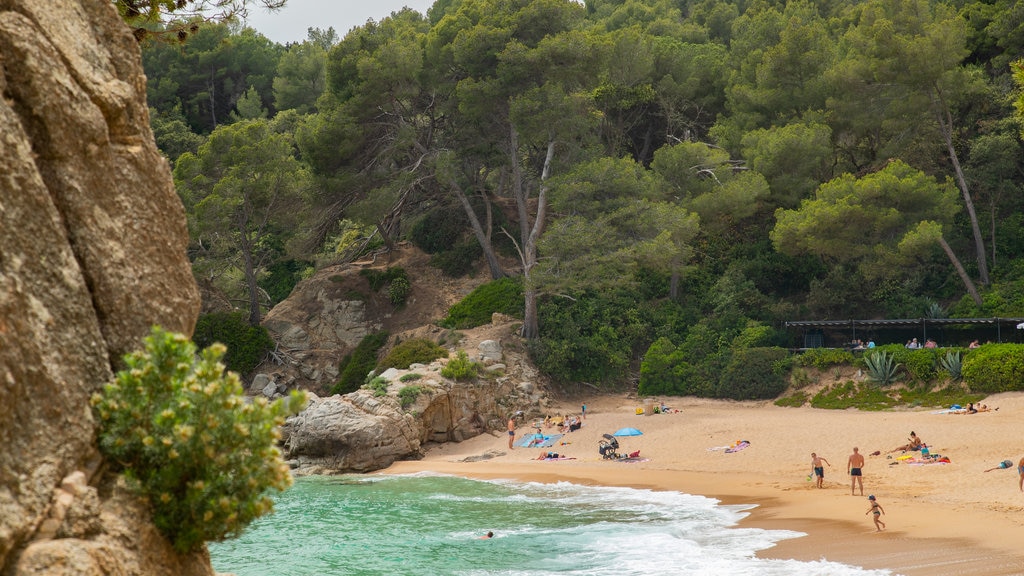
(632, 460)
(737, 447)
(559, 458)
(538, 441)
(716, 448)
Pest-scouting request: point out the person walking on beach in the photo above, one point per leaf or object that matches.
(853, 467)
(877, 510)
(511, 431)
(1020, 472)
(818, 469)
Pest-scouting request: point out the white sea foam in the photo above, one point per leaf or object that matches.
(430, 525)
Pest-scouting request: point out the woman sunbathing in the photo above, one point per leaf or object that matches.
(914, 443)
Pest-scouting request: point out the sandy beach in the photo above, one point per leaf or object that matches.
(942, 519)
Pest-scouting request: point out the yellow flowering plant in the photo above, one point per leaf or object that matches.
(202, 454)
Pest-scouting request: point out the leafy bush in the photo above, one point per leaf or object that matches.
(661, 370)
(460, 367)
(753, 374)
(459, 260)
(822, 358)
(408, 395)
(439, 229)
(379, 279)
(921, 364)
(416, 351)
(994, 368)
(882, 367)
(378, 385)
(282, 277)
(188, 441)
(355, 366)
(247, 345)
(504, 295)
(410, 377)
(398, 291)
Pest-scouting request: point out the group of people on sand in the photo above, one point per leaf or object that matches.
(854, 465)
(973, 409)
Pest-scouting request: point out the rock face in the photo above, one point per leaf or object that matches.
(361, 432)
(327, 315)
(92, 253)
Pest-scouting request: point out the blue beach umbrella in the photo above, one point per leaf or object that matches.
(627, 432)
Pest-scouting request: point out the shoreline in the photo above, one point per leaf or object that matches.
(942, 520)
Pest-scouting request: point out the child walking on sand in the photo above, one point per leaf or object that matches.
(877, 510)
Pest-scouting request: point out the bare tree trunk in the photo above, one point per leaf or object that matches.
(482, 237)
(531, 325)
(250, 282)
(968, 283)
(673, 285)
(946, 127)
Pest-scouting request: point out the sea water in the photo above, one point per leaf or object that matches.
(430, 525)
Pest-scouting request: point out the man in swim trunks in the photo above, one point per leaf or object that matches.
(819, 470)
(853, 466)
(511, 431)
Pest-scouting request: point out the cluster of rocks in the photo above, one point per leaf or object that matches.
(366, 430)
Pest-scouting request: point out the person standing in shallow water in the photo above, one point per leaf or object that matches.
(854, 466)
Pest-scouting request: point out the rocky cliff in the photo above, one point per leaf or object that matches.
(92, 253)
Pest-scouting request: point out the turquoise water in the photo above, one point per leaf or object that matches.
(430, 525)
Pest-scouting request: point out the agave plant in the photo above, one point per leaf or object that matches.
(881, 368)
(952, 363)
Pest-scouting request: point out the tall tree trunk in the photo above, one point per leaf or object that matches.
(482, 237)
(673, 285)
(946, 127)
(968, 283)
(531, 325)
(250, 281)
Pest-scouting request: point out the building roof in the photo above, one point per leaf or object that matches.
(1019, 322)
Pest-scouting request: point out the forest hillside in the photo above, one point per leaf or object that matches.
(657, 178)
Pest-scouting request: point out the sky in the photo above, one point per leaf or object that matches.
(290, 23)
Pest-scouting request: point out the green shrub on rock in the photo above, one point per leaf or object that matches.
(460, 367)
(504, 295)
(417, 351)
(188, 442)
(355, 366)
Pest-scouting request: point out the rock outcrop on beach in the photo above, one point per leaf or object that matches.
(365, 431)
(92, 254)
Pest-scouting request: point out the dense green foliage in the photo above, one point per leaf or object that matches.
(357, 364)
(186, 439)
(504, 295)
(247, 345)
(994, 368)
(822, 358)
(408, 394)
(461, 367)
(666, 172)
(753, 374)
(416, 351)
